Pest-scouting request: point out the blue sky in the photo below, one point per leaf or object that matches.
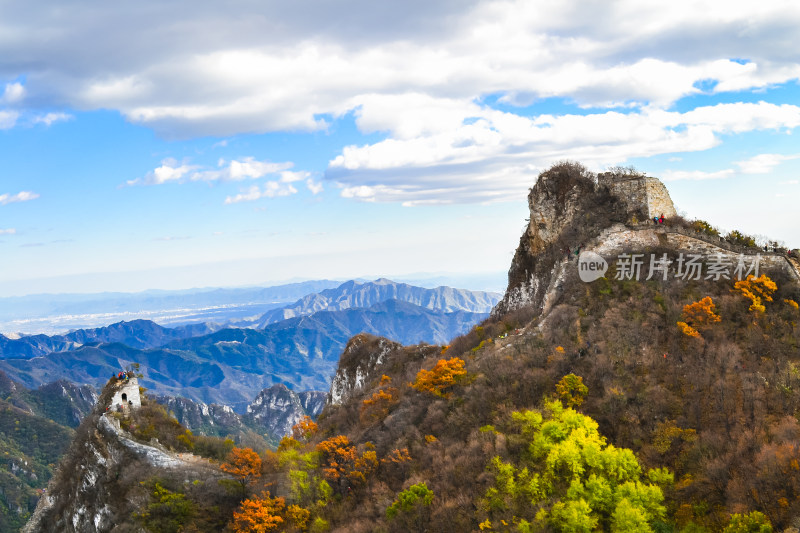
(193, 144)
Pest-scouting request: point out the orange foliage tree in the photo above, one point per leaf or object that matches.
(341, 460)
(244, 464)
(697, 316)
(304, 429)
(444, 375)
(757, 290)
(377, 406)
(259, 514)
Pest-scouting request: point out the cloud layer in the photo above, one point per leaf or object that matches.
(442, 81)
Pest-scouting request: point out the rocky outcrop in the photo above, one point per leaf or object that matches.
(567, 207)
(366, 358)
(313, 401)
(276, 409)
(359, 360)
(212, 418)
(272, 413)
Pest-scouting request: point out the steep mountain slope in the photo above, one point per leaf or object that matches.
(126, 470)
(615, 402)
(232, 366)
(707, 389)
(353, 294)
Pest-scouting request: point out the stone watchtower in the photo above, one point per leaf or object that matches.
(127, 394)
(639, 193)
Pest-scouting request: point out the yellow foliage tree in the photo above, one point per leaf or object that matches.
(757, 290)
(571, 390)
(299, 516)
(444, 375)
(259, 514)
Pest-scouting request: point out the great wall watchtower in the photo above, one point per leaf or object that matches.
(639, 192)
(126, 394)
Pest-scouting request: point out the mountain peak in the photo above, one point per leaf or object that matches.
(573, 210)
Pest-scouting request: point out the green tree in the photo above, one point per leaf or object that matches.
(754, 522)
(570, 479)
(410, 508)
(168, 511)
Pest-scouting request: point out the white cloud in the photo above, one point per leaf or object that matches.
(247, 168)
(763, 163)
(790, 182)
(13, 93)
(268, 66)
(22, 196)
(8, 119)
(314, 186)
(491, 155)
(50, 118)
(8, 231)
(169, 171)
(234, 170)
(271, 189)
(674, 175)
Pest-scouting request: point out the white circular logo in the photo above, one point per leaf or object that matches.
(591, 266)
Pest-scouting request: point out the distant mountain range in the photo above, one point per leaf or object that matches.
(353, 294)
(140, 334)
(231, 366)
(55, 313)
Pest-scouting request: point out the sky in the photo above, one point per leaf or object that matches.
(193, 144)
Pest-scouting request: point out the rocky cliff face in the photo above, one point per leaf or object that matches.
(566, 208)
(272, 413)
(212, 418)
(365, 358)
(276, 409)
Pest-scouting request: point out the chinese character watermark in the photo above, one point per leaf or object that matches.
(631, 266)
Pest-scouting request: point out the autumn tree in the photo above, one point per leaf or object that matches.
(342, 462)
(698, 316)
(259, 514)
(753, 522)
(444, 375)
(244, 464)
(377, 406)
(757, 290)
(571, 390)
(304, 429)
(168, 511)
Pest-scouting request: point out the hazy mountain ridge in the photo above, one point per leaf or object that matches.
(232, 365)
(141, 334)
(354, 294)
